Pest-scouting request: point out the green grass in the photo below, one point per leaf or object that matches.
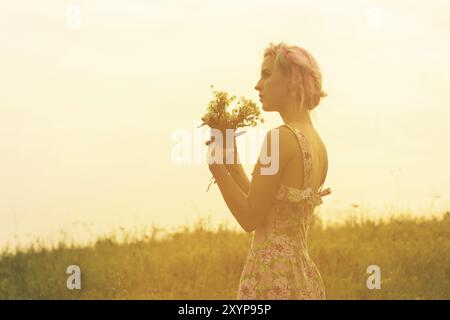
(201, 263)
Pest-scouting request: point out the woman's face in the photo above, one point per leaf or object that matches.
(272, 86)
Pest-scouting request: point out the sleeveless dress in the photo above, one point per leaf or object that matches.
(278, 265)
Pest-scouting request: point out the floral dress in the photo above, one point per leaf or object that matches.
(278, 265)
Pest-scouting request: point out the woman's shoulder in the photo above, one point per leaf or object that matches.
(284, 130)
(285, 134)
(284, 139)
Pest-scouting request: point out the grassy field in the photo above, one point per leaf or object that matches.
(198, 263)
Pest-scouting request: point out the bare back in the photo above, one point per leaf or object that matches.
(293, 172)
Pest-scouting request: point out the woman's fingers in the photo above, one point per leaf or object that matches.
(211, 139)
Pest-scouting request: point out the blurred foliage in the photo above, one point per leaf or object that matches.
(202, 263)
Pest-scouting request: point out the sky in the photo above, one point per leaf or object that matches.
(93, 92)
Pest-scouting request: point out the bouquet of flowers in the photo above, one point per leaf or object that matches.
(223, 114)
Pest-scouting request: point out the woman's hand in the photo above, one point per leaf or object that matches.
(226, 167)
(229, 152)
(213, 162)
(227, 147)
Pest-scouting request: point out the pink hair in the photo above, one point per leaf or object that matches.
(303, 70)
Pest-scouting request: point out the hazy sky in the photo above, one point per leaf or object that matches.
(87, 114)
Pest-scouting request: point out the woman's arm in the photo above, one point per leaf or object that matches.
(236, 200)
(238, 174)
(234, 166)
(250, 209)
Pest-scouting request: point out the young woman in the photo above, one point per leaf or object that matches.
(278, 204)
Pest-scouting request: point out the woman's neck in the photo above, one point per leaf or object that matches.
(301, 120)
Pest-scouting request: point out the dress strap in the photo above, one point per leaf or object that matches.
(306, 152)
(291, 194)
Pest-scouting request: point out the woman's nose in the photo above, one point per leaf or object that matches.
(258, 86)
